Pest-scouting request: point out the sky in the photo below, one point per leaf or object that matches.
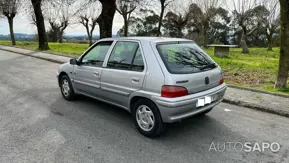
(23, 25)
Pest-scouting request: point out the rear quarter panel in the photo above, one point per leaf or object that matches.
(154, 77)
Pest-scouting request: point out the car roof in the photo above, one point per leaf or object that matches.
(150, 39)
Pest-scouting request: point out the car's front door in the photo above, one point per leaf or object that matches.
(124, 72)
(87, 74)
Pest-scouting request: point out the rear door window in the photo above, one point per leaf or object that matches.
(138, 64)
(185, 58)
(126, 56)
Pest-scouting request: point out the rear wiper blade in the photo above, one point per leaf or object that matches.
(213, 65)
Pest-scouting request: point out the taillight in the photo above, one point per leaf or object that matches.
(171, 91)
(222, 80)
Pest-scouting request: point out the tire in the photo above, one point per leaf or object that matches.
(206, 112)
(149, 110)
(66, 88)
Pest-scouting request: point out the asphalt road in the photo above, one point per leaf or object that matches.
(38, 125)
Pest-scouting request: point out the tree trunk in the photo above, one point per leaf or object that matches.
(60, 36)
(89, 34)
(180, 33)
(199, 42)
(61, 32)
(54, 34)
(161, 19)
(90, 40)
(105, 20)
(125, 26)
(270, 41)
(205, 35)
(284, 51)
(10, 21)
(42, 37)
(60, 40)
(243, 41)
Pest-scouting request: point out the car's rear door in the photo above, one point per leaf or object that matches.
(124, 72)
(87, 74)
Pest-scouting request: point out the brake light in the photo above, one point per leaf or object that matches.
(222, 80)
(171, 91)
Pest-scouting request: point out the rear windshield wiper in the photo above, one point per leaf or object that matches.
(213, 65)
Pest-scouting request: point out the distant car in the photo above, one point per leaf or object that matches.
(158, 80)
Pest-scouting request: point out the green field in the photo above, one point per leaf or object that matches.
(256, 70)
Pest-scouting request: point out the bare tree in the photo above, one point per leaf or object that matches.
(272, 22)
(242, 13)
(59, 14)
(203, 13)
(164, 5)
(52, 14)
(9, 9)
(42, 38)
(284, 51)
(176, 20)
(125, 9)
(88, 18)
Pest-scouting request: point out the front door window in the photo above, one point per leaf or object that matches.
(95, 57)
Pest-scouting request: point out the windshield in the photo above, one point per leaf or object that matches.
(185, 58)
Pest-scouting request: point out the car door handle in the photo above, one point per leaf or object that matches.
(135, 79)
(96, 73)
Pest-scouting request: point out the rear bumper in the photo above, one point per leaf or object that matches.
(175, 109)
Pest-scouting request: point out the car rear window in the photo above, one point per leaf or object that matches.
(185, 58)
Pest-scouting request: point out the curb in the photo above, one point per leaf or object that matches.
(68, 56)
(258, 91)
(46, 52)
(47, 59)
(256, 107)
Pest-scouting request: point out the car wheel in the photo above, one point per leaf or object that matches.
(66, 88)
(206, 112)
(147, 118)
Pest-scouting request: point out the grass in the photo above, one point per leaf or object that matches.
(255, 70)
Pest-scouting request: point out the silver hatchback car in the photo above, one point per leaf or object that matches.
(158, 80)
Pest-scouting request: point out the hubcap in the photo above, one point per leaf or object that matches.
(65, 87)
(145, 118)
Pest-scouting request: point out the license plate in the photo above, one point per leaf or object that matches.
(208, 100)
(203, 101)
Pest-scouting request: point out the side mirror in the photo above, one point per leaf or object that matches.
(73, 62)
